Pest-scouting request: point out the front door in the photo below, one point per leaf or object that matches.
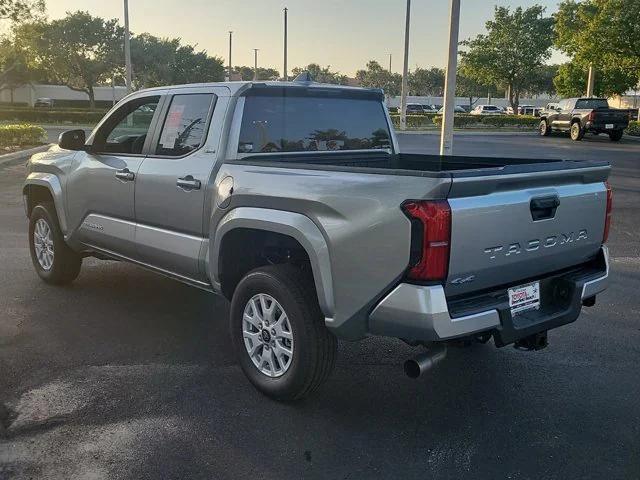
(100, 190)
(172, 182)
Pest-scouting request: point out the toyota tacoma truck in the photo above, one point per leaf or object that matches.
(584, 115)
(294, 201)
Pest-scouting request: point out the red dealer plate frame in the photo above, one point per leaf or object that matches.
(524, 297)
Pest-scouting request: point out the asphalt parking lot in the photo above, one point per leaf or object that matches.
(125, 374)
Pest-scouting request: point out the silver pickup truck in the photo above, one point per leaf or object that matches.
(294, 202)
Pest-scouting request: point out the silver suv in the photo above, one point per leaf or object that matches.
(293, 201)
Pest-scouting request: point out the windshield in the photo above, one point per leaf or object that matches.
(592, 103)
(306, 123)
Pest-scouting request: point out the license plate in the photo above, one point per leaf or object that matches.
(609, 126)
(524, 297)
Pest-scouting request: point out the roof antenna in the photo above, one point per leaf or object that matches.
(303, 77)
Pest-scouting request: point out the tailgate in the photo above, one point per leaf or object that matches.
(611, 116)
(523, 222)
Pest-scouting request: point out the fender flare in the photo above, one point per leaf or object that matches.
(295, 225)
(52, 183)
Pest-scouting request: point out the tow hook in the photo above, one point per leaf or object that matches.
(416, 366)
(537, 341)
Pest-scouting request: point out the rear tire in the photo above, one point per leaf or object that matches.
(616, 135)
(281, 301)
(52, 258)
(577, 132)
(545, 128)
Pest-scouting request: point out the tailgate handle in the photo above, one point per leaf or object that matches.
(543, 208)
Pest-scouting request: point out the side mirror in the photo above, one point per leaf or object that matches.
(72, 140)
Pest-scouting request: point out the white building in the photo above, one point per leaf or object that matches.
(30, 92)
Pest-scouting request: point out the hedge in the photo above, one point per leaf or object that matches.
(21, 134)
(414, 121)
(633, 129)
(51, 116)
(497, 121)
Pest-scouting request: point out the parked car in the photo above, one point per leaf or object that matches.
(291, 199)
(487, 110)
(43, 102)
(413, 108)
(581, 115)
(429, 108)
(456, 109)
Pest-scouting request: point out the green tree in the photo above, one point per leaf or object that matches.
(571, 80)
(374, 76)
(543, 81)
(247, 73)
(14, 67)
(321, 74)
(470, 88)
(162, 61)
(605, 34)
(20, 10)
(427, 82)
(79, 51)
(516, 44)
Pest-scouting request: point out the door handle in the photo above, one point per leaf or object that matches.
(543, 208)
(188, 183)
(125, 175)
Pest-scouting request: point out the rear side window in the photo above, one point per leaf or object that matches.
(306, 123)
(592, 103)
(183, 129)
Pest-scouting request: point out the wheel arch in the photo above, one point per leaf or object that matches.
(265, 222)
(40, 187)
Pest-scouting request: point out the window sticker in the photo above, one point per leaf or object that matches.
(172, 125)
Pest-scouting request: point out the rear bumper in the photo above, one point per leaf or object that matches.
(423, 313)
(602, 126)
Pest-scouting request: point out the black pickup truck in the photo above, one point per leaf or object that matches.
(581, 115)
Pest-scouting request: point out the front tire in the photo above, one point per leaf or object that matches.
(577, 132)
(545, 128)
(278, 332)
(616, 135)
(52, 258)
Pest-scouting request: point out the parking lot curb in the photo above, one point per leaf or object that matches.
(9, 157)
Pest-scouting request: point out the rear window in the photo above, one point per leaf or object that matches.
(490, 107)
(307, 123)
(592, 103)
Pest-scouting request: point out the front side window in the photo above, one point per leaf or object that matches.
(126, 130)
(300, 123)
(183, 129)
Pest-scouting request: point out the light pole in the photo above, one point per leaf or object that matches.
(446, 135)
(285, 75)
(127, 47)
(230, 42)
(590, 81)
(389, 62)
(255, 63)
(405, 70)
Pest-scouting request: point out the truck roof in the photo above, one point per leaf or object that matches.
(237, 87)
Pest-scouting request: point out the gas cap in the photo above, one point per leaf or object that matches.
(224, 192)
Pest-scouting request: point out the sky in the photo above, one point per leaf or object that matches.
(343, 34)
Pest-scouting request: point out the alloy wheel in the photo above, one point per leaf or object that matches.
(267, 335)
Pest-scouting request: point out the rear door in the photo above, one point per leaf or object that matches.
(507, 228)
(172, 181)
(562, 121)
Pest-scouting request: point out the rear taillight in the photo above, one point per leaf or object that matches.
(430, 239)
(592, 116)
(607, 218)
